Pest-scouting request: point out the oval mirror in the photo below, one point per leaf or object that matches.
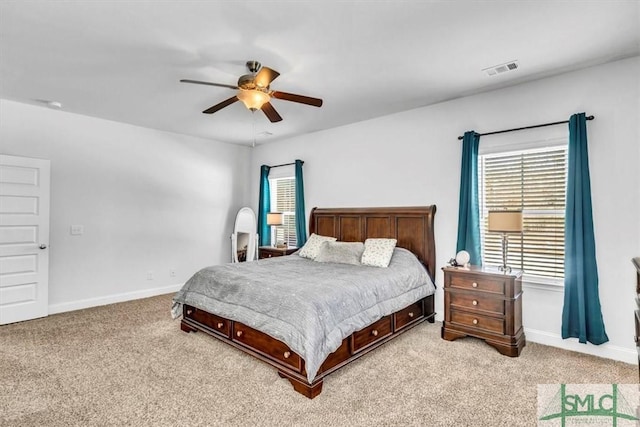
(244, 239)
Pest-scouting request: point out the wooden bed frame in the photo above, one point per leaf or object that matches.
(411, 226)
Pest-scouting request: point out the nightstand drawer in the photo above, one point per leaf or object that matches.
(477, 302)
(271, 252)
(477, 282)
(478, 321)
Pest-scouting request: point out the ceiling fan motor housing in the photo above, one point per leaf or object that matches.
(247, 82)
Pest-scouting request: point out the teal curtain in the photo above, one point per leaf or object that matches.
(469, 210)
(581, 314)
(301, 227)
(264, 207)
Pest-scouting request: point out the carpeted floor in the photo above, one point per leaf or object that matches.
(129, 364)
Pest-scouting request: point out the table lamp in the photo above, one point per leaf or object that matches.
(275, 219)
(505, 222)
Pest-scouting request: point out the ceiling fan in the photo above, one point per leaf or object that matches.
(254, 91)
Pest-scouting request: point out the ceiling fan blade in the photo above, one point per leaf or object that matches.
(265, 76)
(271, 112)
(198, 82)
(221, 105)
(316, 102)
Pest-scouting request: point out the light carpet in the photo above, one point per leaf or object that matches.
(130, 364)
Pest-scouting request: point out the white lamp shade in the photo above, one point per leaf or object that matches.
(275, 218)
(253, 99)
(505, 221)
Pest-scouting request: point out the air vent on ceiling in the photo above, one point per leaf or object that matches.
(502, 68)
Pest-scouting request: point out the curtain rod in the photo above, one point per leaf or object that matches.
(526, 127)
(286, 164)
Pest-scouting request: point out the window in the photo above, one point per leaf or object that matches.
(534, 181)
(283, 199)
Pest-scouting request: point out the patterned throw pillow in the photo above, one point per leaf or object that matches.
(340, 252)
(378, 252)
(312, 247)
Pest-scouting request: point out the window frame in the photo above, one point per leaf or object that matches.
(527, 146)
(289, 216)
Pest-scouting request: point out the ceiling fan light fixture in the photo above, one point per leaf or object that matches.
(253, 99)
(254, 91)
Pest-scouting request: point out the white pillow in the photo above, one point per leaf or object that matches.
(378, 252)
(312, 247)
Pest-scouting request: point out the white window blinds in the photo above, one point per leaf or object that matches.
(284, 200)
(535, 182)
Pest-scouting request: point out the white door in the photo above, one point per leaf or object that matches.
(24, 238)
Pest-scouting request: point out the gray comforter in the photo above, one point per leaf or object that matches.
(308, 305)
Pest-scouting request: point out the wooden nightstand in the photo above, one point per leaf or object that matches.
(270, 251)
(484, 303)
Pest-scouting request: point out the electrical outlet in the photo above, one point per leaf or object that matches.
(172, 273)
(149, 275)
(77, 230)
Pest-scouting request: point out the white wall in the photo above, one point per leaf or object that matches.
(148, 200)
(413, 158)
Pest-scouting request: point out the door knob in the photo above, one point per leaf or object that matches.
(43, 246)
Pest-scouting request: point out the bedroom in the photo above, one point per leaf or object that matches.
(158, 201)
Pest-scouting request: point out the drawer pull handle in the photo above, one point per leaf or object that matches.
(474, 302)
(220, 325)
(239, 334)
(474, 285)
(189, 312)
(475, 321)
(287, 354)
(411, 314)
(374, 332)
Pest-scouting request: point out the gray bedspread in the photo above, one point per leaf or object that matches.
(308, 305)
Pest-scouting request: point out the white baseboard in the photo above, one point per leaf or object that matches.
(606, 350)
(112, 299)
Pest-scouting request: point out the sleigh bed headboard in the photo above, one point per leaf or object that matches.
(411, 226)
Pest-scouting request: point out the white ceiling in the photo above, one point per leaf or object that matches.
(122, 60)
